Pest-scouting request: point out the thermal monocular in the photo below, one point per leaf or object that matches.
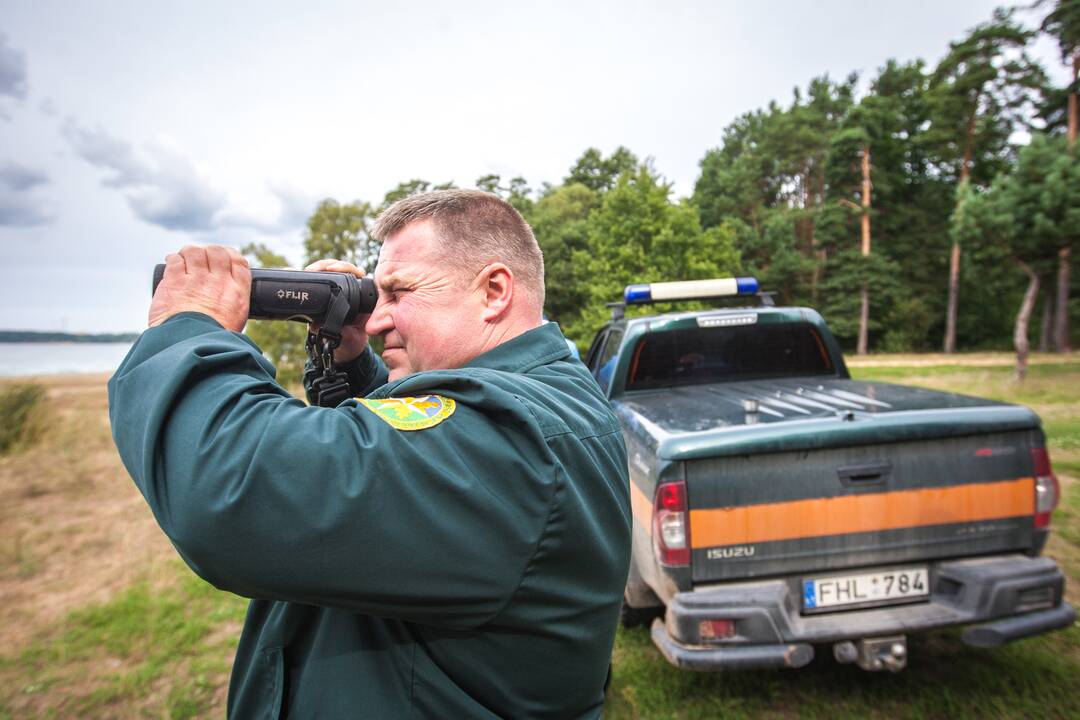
(331, 300)
(304, 296)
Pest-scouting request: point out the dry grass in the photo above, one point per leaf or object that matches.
(74, 535)
(73, 528)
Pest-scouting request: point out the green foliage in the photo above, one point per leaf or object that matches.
(559, 221)
(1042, 199)
(789, 180)
(407, 189)
(341, 232)
(840, 300)
(983, 90)
(907, 325)
(776, 258)
(638, 235)
(261, 256)
(1027, 216)
(516, 192)
(1063, 23)
(283, 344)
(21, 409)
(598, 173)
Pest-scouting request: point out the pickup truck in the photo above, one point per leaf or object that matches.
(779, 505)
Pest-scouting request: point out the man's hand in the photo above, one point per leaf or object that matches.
(353, 337)
(214, 280)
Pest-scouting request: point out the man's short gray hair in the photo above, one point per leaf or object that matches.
(474, 228)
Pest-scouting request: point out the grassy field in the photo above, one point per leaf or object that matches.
(98, 619)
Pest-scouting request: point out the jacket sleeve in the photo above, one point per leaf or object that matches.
(267, 497)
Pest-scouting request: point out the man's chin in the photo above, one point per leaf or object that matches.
(392, 359)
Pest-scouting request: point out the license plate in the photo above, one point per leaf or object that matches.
(865, 589)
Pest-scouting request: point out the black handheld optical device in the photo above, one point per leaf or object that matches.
(304, 296)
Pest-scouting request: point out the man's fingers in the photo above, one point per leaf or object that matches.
(319, 265)
(195, 258)
(335, 266)
(218, 260)
(175, 265)
(238, 266)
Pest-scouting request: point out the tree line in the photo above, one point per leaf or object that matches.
(936, 209)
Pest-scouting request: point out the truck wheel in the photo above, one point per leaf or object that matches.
(633, 617)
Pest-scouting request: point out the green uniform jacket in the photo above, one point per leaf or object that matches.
(471, 569)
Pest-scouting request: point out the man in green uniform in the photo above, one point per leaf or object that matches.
(453, 544)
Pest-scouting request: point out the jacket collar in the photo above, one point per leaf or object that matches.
(531, 349)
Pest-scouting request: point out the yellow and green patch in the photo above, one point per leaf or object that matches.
(412, 413)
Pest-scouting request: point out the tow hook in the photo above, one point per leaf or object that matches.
(874, 654)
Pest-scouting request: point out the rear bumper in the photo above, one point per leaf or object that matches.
(1008, 597)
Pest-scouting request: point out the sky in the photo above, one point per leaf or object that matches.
(129, 129)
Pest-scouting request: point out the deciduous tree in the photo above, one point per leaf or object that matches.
(340, 231)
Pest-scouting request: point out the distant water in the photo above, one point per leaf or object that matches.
(60, 358)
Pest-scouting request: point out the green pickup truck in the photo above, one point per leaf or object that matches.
(780, 505)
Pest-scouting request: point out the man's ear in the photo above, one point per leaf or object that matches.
(497, 284)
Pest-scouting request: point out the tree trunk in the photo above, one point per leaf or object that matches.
(864, 312)
(954, 293)
(806, 225)
(954, 257)
(1061, 312)
(1046, 327)
(1020, 333)
(969, 145)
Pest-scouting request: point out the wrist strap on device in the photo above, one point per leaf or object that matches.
(331, 386)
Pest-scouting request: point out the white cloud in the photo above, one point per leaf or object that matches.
(164, 187)
(293, 208)
(12, 70)
(161, 185)
(19, 207)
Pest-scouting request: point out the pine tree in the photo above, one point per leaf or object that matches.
(980, 92)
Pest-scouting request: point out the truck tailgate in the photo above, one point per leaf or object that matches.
(835, 507)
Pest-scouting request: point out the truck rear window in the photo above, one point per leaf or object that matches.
(723, 354)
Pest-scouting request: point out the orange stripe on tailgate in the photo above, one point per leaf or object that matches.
(861, 513)
(641, 506)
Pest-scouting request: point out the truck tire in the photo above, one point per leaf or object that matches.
(631, 617)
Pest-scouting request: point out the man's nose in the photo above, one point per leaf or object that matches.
(379, 321)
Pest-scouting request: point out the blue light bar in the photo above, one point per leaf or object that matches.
(689, 290)
(638, 294)
(747, 285)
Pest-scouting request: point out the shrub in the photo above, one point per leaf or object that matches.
(20, 415)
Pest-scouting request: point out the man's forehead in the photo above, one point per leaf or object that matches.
(414, 245)
(392, 272)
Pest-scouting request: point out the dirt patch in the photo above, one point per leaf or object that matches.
(73, 528)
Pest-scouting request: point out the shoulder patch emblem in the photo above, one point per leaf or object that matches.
(411, 413)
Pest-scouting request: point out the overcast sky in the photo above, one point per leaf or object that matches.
(128, 129)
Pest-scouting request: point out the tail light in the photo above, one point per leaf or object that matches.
(1047, 490)
(716, 629)
(671, 524)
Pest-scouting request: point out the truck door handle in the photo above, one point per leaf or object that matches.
(864, 475)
